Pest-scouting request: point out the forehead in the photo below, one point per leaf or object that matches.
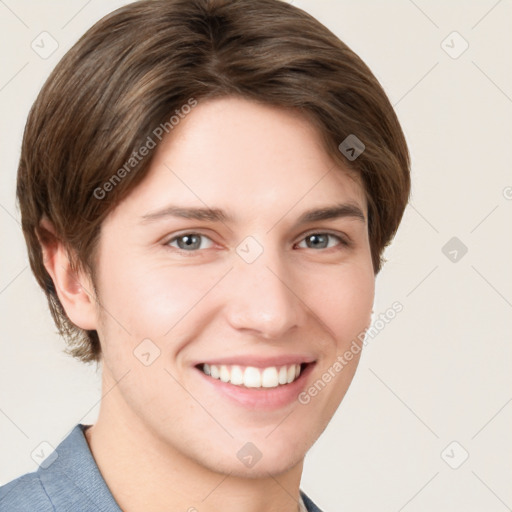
(243, 155)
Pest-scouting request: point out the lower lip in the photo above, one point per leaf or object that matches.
(261, 398)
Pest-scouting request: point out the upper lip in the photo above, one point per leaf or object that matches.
(259, 361)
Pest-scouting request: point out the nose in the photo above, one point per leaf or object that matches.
(263, 297)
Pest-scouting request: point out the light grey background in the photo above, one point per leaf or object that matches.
(440, 371)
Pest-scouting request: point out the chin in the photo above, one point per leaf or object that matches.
(267, 465)
(258, 460)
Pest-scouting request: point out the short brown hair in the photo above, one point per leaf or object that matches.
(138, 65)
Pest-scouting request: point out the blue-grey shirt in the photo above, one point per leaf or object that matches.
(69, 480)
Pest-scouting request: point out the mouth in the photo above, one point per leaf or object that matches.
(256, 382)
(253, 376)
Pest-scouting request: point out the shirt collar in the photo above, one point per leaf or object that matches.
(302, 506)
(73, 476)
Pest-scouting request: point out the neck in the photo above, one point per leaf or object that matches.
(146, 474)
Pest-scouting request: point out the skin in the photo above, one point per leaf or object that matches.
(164, 440)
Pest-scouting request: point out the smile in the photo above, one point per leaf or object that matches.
(252, 377)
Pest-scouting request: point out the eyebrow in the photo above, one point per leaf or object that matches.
(218, 215)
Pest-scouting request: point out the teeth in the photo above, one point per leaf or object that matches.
(237, 375)
(252, 377)
(214, 371)
(269, 377)
(224, 374)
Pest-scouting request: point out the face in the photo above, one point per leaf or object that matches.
(225, 321)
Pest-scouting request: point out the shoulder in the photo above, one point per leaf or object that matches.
(25, 493)
(47, 489)
(67, 479)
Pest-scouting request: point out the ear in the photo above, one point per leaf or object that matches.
(74, 289)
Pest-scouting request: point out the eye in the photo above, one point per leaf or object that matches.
(321, 241)
(189, 242)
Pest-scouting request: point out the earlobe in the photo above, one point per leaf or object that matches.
(74, 289)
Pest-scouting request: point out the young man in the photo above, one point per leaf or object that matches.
(206, 190)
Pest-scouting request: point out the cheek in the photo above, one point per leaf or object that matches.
(343, 300)
(150, 298)
(167, 297)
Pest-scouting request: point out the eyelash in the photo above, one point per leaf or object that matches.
(343, 243)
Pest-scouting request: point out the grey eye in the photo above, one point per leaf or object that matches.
(321, 240)
(189, 241)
